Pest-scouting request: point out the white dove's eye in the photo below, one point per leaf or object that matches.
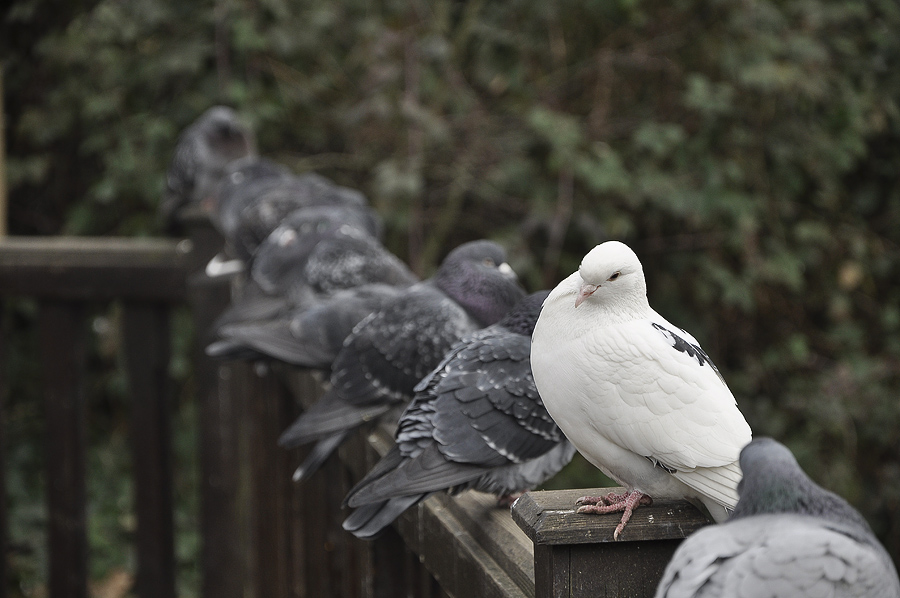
(614, 276)
(488, 262)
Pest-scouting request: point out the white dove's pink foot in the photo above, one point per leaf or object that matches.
(610, 499)
(629, 501)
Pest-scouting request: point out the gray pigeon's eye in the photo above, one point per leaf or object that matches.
(614, 276)
(488, 262)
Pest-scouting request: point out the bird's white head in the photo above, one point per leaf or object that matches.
(611, 273)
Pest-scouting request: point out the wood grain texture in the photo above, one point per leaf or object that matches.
(145, 329)
(94, 268)
(62, 344)
(550, 518)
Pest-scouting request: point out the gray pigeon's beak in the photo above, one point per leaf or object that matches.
(507, 270)
(586, 291)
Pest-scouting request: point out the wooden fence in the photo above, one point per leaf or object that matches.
(264, 536)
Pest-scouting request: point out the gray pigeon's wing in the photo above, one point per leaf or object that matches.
(487, 409)
(321, 249)
(477, 411)
(781, 556)
(350, 258)
(391, 350)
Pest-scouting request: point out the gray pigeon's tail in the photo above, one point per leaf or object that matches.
(428, 472)
(326, 417)
(272, 339)
(318, 455)
(229, 350)
(391, 460)
(368, 521)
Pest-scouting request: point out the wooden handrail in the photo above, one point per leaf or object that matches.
(95, 269)
(264, 535)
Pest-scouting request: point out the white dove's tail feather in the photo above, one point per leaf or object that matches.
(717, 483)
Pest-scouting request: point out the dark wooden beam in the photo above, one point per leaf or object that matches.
(83, 268)
(223, 554)
(62, 347)
(145, 328)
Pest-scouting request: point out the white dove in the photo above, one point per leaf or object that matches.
(636, 395)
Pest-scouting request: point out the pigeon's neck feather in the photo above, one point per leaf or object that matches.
(793, 492)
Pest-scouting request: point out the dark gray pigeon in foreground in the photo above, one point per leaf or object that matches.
(391, 350)
(788, 538)
(476, 421)
(202, 153)
(257, 195)
(308, 337)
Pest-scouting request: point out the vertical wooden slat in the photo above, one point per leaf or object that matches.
(145, 328)
(223, 553)
(271, 410)
(62, 340)
(4, 390)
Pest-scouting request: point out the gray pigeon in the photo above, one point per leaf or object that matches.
(308, 337)
(314, 253)
(788, 538)
(476, 421)
(391, 350)
(202, 153)
(256, 195)
(318, 250)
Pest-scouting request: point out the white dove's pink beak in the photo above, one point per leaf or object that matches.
(586, 291)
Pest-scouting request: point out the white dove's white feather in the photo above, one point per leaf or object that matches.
(635, 394)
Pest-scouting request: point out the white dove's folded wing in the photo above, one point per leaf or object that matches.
(658, 399)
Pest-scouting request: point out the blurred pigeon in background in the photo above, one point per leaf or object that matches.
(256, 195)
(315, 252)
(391, 350)
(476, 421)
(788, 538)
(202, 153)
(321, 249)
(635, 394)
(304, 336)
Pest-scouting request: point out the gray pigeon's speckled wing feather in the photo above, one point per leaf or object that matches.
(391, 350)
(487, 410)
(779, 556)
(351, 259)
(478, 410)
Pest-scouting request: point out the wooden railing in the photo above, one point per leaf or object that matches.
(263, 535)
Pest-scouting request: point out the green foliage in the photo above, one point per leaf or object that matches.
(748, 151)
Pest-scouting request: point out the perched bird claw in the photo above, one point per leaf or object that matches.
(624, 502)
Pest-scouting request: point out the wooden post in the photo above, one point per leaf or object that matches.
(575, 555)
(62, 340)
(4, 192)
(275, 565)
(222, 524)
(145, 328)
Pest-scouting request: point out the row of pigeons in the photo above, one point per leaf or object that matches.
(493, 389)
